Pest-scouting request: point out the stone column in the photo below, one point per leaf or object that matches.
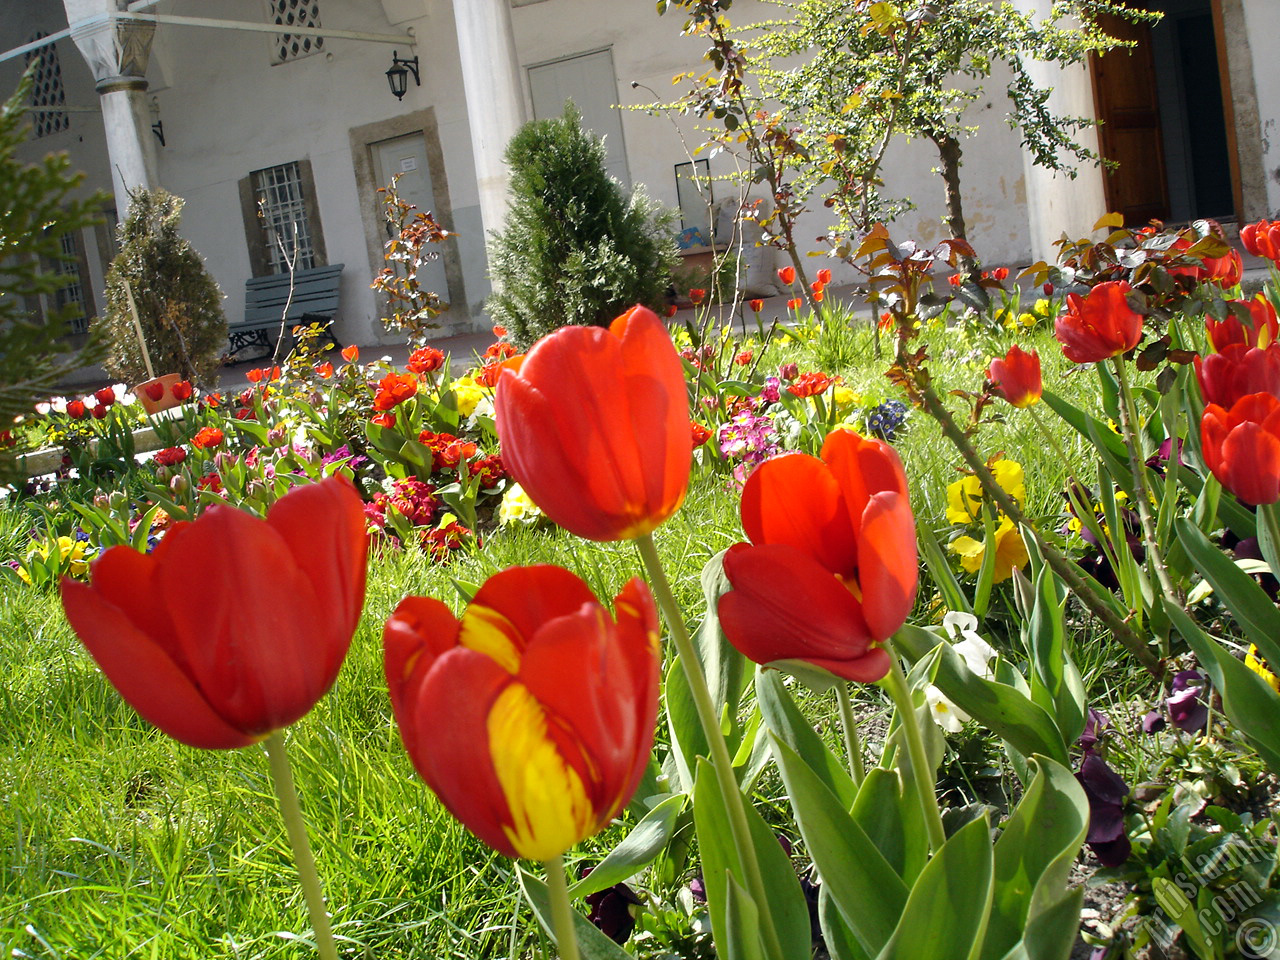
(1057, 204)
(117, 52)
(495, 96)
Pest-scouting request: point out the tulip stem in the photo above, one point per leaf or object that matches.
(852, 744)
(921, 771)
(720, 760)
(291, 811)
(1129, 428)
(561, 909)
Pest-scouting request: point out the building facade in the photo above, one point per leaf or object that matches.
(278, 140)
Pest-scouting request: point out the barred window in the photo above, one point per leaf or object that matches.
(284, 217)
(70, 296)
(47, 93)
(295, 13)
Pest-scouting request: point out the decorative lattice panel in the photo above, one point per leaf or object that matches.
(72, 294)
(283, 211)
(296, 13)
(47, 94)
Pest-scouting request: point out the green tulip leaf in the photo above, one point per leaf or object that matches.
(1247, 699)
(839, 939)
(1052, 670)
(868, 892)
(1004, 710)
(1083, 422)
(1052, 933)
(1034, 853)
(724, 666)
(940, 569)
(788, 724)
(898, 832)
(946, 915)
(786, 903)
(645, 841)
(1239, 593)
(592, 944)
(742, 923)
(688, 742)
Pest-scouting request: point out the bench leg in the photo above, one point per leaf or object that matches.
(239, 339)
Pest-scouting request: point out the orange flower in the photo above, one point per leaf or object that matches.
(1262, 239)
(697, 295)
(324, 370)
(233, 627)
(824, 276)
(819, 293)
(831, 570)
(387, 420)
(595, 426)
(393, 390)
(550, 702)
(182, 391)
(1099, 325)
(795, 303)
(700, 433)
(756, 305)
(1262, 332)
(207, 438)
(787, 275)
(351, 354)
(425, 360)
(1016, 377)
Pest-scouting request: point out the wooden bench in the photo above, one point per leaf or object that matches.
(314, 300)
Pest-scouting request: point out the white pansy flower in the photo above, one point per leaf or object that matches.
(945, 713)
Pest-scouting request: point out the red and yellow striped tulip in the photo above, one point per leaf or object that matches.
(532, 717)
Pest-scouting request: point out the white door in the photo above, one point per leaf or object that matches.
(588, 81)
(407, 156)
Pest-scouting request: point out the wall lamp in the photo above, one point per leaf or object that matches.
(398, 75)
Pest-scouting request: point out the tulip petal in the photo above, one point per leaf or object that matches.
(527, 597)
(785, 606)
(249, 621)
(795, 500)
(145, 675)
(862, 466)
(323, 525)
(419, 632)
(888, 570)
(457, 696)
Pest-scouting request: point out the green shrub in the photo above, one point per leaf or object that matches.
(179, 304)
(576, 248)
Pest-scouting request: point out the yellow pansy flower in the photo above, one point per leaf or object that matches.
(1011, 552)
(964, 497)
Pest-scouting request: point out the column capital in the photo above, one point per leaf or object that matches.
(114, 48)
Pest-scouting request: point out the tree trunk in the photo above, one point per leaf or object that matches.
(949, 153)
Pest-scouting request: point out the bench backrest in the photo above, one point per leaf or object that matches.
(315, 291)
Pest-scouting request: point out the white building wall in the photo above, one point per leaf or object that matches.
(1263, 20)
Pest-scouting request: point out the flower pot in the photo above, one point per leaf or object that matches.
(146, 389)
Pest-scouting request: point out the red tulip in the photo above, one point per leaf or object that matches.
(1261, 333)
(351, 354)
(824, 276)
(99, 411)
(207, 438)
(549, 704)
(105, 397)
(697, 295)
(1225, 271)
(672, 309)
(832, 570)
(787, 275)
(1016, 377)
(1262, 239)
(795, 303)
(1000, 274)
(819, 293)
(182, 391)
(700, 434)
(595, 426)
(76, 410)
(154, 391)
(426, 360)
(393, 390)
(233, 627)
(324, 370)
(1099, 325)
(1242, 447)
(1237, 371)
(756, 305)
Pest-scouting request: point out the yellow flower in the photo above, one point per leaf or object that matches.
(1255, 662)
(964, 497)
(517, 507)
(1011, 552)
(842, 398)
(469, 393)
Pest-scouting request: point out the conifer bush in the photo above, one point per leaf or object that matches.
(179, 303)
(576, 248)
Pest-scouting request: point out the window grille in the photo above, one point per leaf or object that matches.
(282, 211)
(70, 296)
(47, 91)
(296, 13)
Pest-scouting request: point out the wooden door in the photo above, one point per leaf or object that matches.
(1127, 104)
